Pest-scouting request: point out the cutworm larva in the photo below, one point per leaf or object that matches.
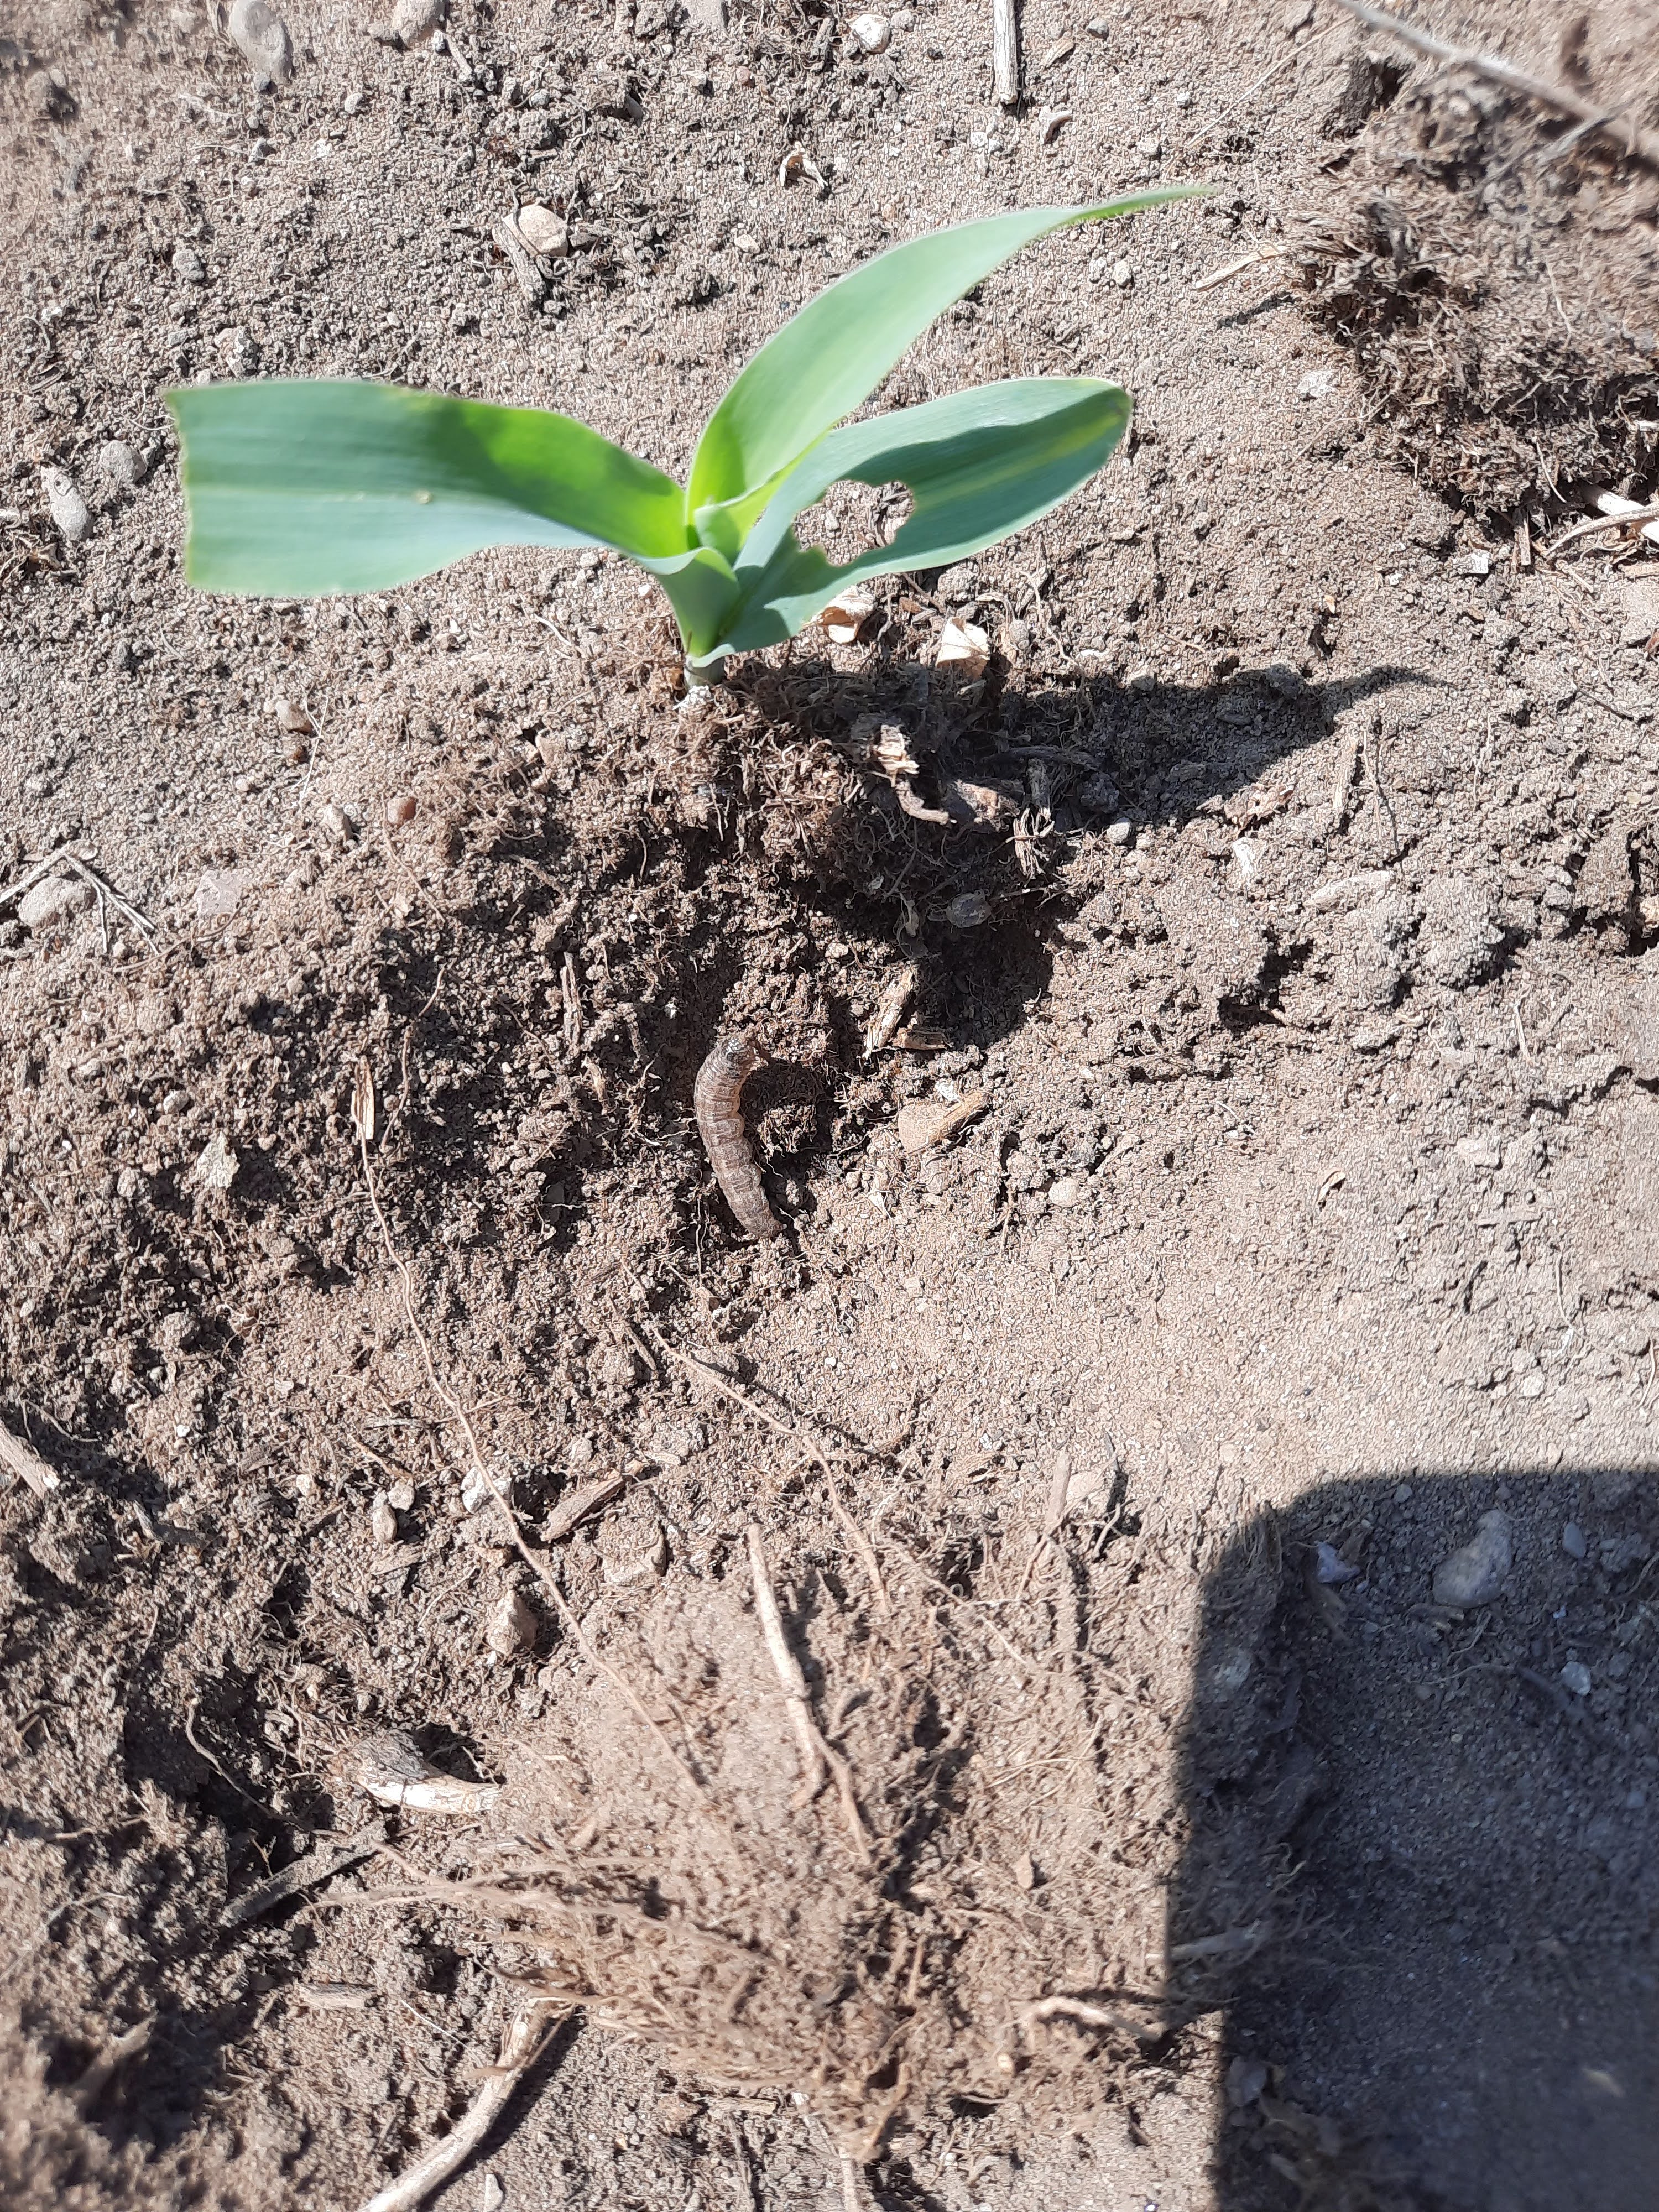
(717, 1098)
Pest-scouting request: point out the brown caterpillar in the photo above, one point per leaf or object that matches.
(717, 1097)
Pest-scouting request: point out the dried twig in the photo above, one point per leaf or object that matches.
(108, 2062)
(317, 1866)
(1636, 516)
(26, 1463)
(1231, 268)
(523, 2043)
(816, 1755)
(1004, 51)
(1630, 137)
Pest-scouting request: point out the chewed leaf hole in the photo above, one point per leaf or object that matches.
(853, 518)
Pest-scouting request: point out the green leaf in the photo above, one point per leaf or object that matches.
(979, 465)
(315, 487)
(827, 360)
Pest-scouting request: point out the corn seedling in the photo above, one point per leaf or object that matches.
(301, 487)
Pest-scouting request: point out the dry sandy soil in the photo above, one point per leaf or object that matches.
(1312, 1199)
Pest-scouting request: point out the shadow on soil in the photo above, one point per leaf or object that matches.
(1423, 1880)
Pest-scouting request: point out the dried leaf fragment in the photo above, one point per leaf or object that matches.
(963, 648)
(847, 614)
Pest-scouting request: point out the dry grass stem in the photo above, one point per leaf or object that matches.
(854, 1535)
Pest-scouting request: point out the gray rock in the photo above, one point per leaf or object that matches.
(1473, 1574)
(1641, 610)
(413, 22)
(67, 507)
(1575, 1676)
(54, 900)
(261, 36)
(117, 462)
(1573, 1541)
(188, 264)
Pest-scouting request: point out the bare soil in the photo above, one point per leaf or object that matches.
(1312, 1200)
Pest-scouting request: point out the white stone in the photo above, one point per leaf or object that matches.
(64, 503)
(261, 36)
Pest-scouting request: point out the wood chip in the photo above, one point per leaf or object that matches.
(577, 1505)
(931, 1121)
(25, 1463)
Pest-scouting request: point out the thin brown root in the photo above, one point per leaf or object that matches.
(524, 2041)
(870, 2142)
(536, 1561)
(816, 1753)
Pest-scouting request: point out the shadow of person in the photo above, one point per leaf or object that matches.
(1423, 1876)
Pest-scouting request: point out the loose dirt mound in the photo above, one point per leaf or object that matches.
(1493, 269)
(963, 1900)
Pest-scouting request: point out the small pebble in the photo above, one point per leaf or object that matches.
(54, 900)
(1333, 1567)
(1316, 384)
(292, 716)
(220, 892)
(1473, 1574)
(1065, 1193)
(513, 1626)
(1573, 1541)
(1149, 149)
(1246, 2079)
(1120, 832)
(1481, 1150)
(542, 231)
(1530, 1386)
(118, 462)
(968, 910)
(67, 507)
(413, 22)
(335, 819)
(1123, 275)
(491, 2194)
(382, 1520)
(399, 809)
(188, 264)
(872, 31)
(1576, 1677)
(261, 36)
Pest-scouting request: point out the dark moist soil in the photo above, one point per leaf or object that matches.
(1294, 929)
